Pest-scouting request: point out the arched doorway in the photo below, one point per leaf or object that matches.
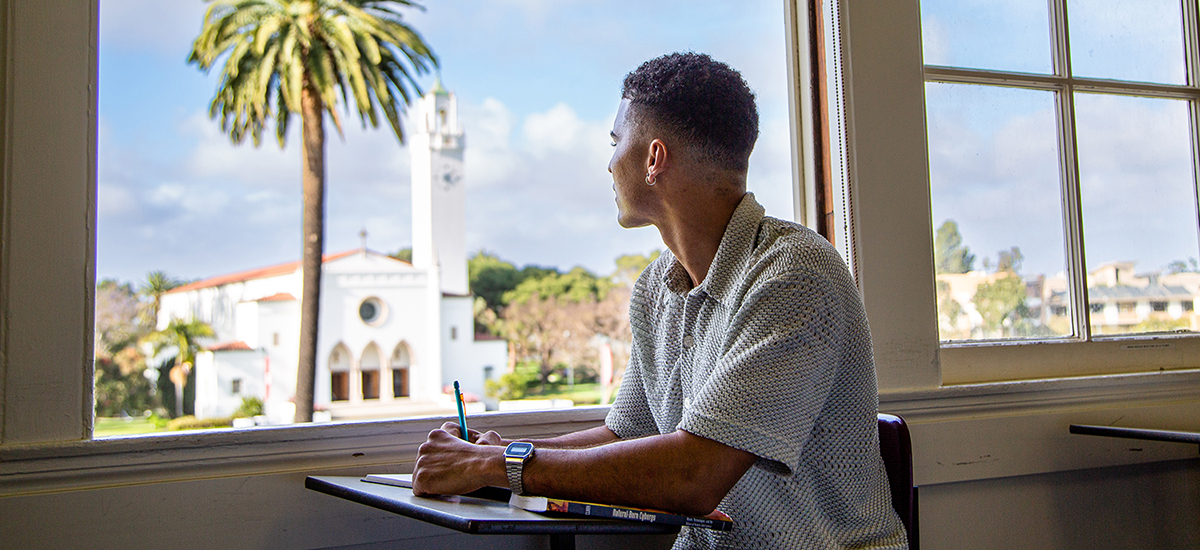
(400, 363)
(339, 373)
(369, 367)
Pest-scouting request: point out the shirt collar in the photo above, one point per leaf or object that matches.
(730, 264)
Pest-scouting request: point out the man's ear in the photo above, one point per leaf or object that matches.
(657, 158)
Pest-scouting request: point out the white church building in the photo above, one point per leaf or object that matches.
(392, 335)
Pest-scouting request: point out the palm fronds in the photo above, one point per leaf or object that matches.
(358, 52)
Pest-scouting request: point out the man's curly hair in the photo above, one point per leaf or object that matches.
(700, 100)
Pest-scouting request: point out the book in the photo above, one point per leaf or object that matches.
(717, 520)
(396, 480)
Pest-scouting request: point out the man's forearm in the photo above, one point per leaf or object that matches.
(582, 439)
(679, 472)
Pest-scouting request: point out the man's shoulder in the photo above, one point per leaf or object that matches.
(783, 246)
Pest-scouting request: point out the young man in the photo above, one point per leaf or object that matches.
(751, 382)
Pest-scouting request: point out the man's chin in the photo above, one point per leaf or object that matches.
(631, 224)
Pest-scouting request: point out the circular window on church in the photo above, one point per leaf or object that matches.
(372, 311)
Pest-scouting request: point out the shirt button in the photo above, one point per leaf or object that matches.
(687, 402)
(688, 340)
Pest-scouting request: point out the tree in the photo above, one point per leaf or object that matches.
(1001, 300)
(157, 283)
(1181, 266)
(1009, 260)
(950, 256)
(404, 255)
(285, 57)
(631, 266)
(490, 277)
(121, 321)
(183, 336)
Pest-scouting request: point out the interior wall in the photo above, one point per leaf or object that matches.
(270, 511)
(1145, 506)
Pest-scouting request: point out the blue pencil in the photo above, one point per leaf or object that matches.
(462, 415)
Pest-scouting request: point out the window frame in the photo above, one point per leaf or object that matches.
(1086, 353)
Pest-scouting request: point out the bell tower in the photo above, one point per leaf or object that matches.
(438, 197)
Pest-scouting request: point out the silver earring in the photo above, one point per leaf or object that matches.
(649, 178)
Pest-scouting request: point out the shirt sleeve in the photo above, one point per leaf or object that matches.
(630, 414)
(768, 388)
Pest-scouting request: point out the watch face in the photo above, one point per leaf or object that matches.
(519, 449)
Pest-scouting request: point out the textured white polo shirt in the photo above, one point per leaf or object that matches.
(771, 354)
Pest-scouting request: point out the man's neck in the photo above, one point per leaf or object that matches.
(694, 228)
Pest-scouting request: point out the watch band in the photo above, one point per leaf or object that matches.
(515, 457)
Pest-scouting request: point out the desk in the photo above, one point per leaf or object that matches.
(476, 515)
(1137, 433)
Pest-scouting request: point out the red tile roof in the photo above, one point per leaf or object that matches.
(230, 346)
(262, 272)
(280, 297)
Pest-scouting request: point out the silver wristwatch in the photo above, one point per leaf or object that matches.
(515, 456)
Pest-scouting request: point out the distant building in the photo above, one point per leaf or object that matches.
(1119, 302)
(392, 335)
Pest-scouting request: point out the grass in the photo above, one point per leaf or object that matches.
(109, 427)
(582, 394)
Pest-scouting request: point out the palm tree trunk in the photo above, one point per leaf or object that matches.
(313, 160)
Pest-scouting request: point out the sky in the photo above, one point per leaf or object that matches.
(537, 81)
(994, 152)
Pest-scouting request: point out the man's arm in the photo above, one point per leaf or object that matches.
(574, 440)
(679, 472)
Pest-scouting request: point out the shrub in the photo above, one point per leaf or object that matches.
(250, 408)
(192, 423)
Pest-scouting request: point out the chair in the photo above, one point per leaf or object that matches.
(896, 448)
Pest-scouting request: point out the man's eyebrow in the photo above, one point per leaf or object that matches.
(613, 135)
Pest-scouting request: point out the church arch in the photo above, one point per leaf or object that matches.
(370, 368)
(339, 373)
(400, 362)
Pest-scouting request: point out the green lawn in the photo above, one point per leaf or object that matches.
(582, 394)
(108, 427)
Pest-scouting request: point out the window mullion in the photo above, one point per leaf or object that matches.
(1069, 170)
(1191, 44)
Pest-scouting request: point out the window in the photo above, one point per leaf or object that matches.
(372, 311)
(236, 386)
(551, 107)
(1062, 168)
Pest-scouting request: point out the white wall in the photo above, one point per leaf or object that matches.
(463, 358)
(215, 373)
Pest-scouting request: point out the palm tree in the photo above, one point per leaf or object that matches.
(300, 56)
(157, 283)
(182, 336)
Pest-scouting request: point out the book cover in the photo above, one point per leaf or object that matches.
(716, 520)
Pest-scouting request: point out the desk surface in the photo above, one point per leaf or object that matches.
(471, 515)
(1137, 433)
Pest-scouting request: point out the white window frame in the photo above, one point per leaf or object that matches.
(1086, 353)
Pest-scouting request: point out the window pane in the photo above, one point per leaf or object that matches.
(531, 189)
(997, 220)
(1140, 40)
(1007, 35)
(1139, 213)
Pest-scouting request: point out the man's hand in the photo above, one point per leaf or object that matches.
(447, 465)
(476, 437)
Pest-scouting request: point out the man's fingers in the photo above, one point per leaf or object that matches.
(489, 438)
(451, 428)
